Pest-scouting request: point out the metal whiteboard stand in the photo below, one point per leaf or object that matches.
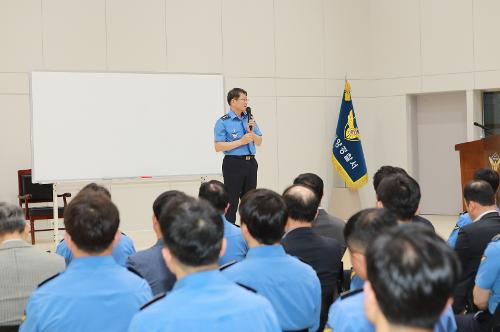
(55, 220)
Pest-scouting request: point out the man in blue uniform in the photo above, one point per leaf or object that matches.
(291, 286)
(347, 313)
(215, 193)
(121, 251)
(486, 290)
(94, 293)
(202, 298)
(411, 275)
(485, 174)
(236, 134)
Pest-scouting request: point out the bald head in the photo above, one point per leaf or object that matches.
(301, 202)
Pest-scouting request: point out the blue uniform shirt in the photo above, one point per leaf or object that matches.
(348, 314)
(231, 128)
(291, 286)
(207, 301)
(356, 282)
(121, 251)
(463, 220)
(237, 247)
(488, 275)
(93, 294)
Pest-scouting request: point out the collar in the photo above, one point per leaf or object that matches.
(485, 213)
(266, 251)
(159, 242)
(14, 243)
(200, 279)
(233, 115)
(92, 262)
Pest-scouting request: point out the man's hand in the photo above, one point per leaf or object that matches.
(251, 122)
(247, 138)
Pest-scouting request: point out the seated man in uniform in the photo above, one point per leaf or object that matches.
(485, 174)
(291, 286)
(121, 251)
(94, 293)
(347, 313)
(22, 266)
(149, 263)
(324, 224)
(411, 274)
(202, 298)
(215, 193)
(323, 254)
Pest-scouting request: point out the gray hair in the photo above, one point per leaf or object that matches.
(11, 218)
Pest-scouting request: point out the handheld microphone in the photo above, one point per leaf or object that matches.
(249, 112)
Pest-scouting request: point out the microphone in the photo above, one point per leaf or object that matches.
(482, 127)
(249, 112)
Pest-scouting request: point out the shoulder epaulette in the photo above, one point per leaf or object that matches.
(247, 287)
(225, 266)
(225, 117)
(47, 280)
(463, 213)
(350, 293)
(495, 238)
(156, 298)
(456, 228)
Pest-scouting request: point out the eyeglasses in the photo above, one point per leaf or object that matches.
(243, 99)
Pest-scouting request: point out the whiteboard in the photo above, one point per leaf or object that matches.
(88, 126)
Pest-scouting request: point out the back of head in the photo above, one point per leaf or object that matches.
(94, 188)
(479, 191)
(192, 230)
(264, 213)
(366, 225)
(163, 200)
(11, 219)
(313, 181)
(400, 194)
(301, 202)
(412, 272)
(215, 193)
(384, 172)
(488, 175)
(92, 221)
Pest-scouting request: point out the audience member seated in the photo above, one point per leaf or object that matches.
(202, 298)
(324, 224)
(347, 313)
(149, 263)
(22, 266)
(94, 293)
(387, 171)
(485, 174)
(400, 194)
(473, 238)
(291, 286)
(121, 251)
(411, 275)
(323, 254)
(215, 193)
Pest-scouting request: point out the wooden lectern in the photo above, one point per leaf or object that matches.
(478, 154)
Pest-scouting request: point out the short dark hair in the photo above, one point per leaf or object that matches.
(301, 202)
(94, 187)
(384, 172)
(162, 200)
(235, 94)
(488, 175)
(366, 225)
(264, 213)
(215, 193)
(12, 219)
(400, 194)
(92, 221)
(413, 273)
(312, 180)
(479, 191)
(192, 230)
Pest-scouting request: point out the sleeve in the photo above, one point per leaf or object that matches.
(462, 248)
(63, 250)
(219, 131)
(256, 130)
(489, 268)
(31, 319)
(452, 240)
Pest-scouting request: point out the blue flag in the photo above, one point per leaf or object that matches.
(347, 152)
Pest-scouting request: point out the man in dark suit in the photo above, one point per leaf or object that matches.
(324, 224)
(473, 239)
(321, 253)
(149, 263)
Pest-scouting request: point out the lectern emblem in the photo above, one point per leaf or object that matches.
(494, 161)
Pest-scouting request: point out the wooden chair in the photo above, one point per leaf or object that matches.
(30, 192)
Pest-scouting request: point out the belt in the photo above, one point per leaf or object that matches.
(247, 157)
